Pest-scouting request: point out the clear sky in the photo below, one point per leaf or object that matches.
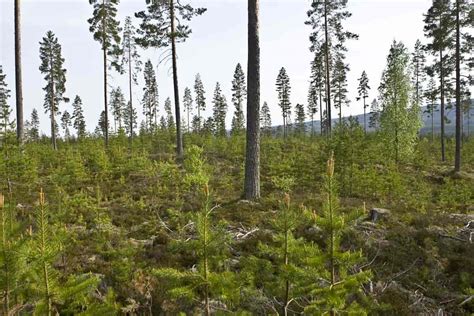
(217, 44)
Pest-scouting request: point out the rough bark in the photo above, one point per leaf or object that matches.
(131, 94)
(179, 135)
(52, 110)
(106, 114)
(18, 77)
(443, 150)
(457, 156)
(104, 51)
(252, 161)
(328, 81)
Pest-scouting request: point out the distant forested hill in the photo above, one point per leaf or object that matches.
(426, 129)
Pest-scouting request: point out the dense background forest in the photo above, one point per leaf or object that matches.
(181, 213)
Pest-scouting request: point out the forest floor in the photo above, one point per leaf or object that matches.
(122, 210)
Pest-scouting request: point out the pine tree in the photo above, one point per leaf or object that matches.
(438, 28)
(130, 126)
(339, 84)
(239, 93)
(45, 252)
(328, 35)
(142, 129)
(105, 29)
(431, 94)
(117, 104)
(188, 104)
(363, 91)
(18, 74)
(130, 59)
(171, 29)
(418, 64)
(170, 125)
(219, 111)
(55, 76)
(283, 268)
(163, 125)
(33, 131)
(399, 119)
(265, 119)
(78, 117)
(252, 139)
(374, 119)
(300, 119)
(101, 125)
(66, 123)
(52, 295)
(464, 20)
(340, 283)
(150, 96)
(284, 90)
(317, 85)
(5, 110)
(12, 254)
(208, 127)
(210, 246)
(312, 107)
(200, 98)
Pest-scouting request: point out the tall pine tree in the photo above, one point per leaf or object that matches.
(106, 29)
(150, 96)
(200, 98)
(33, 131)
(162, 25)
(284, 90)
(363, 91)
(328, 35)
(55, 76)
(339, 84)
(117, 104)
(130, 60)
(79, 121)
(5, 110)
(188, 104)
(239, 93)
(265, 119)
(300, 119)
(66, 123)
(438, 28)
(219, 111)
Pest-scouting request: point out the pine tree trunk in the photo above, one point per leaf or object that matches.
(18, 75)
(320, 110)
(252, 160)
(179, 135)
(52, 109)
(328, 83)
(199, 117)
(340, 113)
(457, 156)
(365, 122)
(131, 95)
(443, 151)
(106, 115)
(104, 51)
(432, 122)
